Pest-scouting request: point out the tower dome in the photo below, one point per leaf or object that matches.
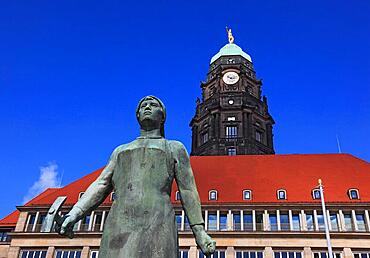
(231, 49)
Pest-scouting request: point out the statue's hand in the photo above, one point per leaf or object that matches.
(64, 225)
(205, 242)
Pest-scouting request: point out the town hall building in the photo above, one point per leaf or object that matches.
(255, 203)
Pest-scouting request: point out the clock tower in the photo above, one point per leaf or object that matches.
(232, 118)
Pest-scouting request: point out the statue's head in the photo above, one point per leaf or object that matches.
(151, 114)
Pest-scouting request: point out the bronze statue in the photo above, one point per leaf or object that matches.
(141, 222)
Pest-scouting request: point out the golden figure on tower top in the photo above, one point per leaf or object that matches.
(230, 35)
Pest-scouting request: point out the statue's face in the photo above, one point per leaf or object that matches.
(150, 114)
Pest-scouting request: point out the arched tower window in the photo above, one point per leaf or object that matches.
(247, 194)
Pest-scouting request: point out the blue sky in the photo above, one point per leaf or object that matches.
(71, 74)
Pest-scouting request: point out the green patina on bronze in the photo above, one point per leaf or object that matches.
(141, 222)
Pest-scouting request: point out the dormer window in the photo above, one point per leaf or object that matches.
(353, 194)
(281, 194)
(113, 196)
(247, 195)
(316, 194)
(177, 196)
(212, 195)
(80, 195)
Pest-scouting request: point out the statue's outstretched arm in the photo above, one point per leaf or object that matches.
(190, 198)
(93, 196)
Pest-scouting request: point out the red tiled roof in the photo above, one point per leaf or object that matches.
(263, 174)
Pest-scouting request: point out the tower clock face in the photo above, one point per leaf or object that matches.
(230, 78)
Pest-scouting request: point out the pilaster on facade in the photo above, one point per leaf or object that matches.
(183, 220)
(347, 253)
(218, 220)
(316, 223)
(367, 220)
(266, 221)
(303, 221)
(329, 220)
(85, 252)
(278, 220)
(22, 221)
(290, 214)
(268, 252)
(193, 252)
(354, 220)
(230, 252)
(241, 220)
(341, 221)
(50, 252)
(229, 220)
(307, 252)
(206, 219)
(254, 220)
(14, 251)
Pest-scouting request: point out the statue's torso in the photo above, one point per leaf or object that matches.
(142, 181)
(142, 178)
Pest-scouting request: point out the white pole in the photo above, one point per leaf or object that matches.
(325, 214)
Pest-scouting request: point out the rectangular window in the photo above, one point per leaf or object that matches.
(216, 254)
(231, 118)
(231, 151)
(4, 237)
(231, 131)
(31, 222)
(364, 254)
(32, 254)
(284, 222)
(249, 254)
(273, 222)
(85, 223)
(247, 195)
(259, 136)
(68, 254)
(295, 222)
(236, 221)
(286, 254)
(223, 221)
(321, 222)
(334, 222)
(205, 137)
(183, 253)
(178, 220)
(248, 221)
(187, 224)
(360, 219)
(212, 221)
(94, 254)
(348, 221)
(326, 255)
(98, 219)
(259, 221)
(309, 221)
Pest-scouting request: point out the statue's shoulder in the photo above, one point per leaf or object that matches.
(121, 148)
(176, 146)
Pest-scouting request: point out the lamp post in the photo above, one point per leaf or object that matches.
(326, 221)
